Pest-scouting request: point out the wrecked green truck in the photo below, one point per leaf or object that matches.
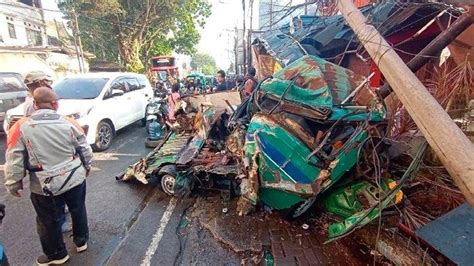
(314, 132)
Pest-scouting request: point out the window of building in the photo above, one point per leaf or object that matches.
(11, 30)
(34, 37)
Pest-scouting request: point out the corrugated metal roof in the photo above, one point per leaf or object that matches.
(329, 36)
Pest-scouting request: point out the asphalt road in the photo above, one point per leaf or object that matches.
(129, 223)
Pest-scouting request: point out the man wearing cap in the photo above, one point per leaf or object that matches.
(54, 152)
(33, 80)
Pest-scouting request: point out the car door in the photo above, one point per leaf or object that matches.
(141, 92)
(116, 107)
(134, 97)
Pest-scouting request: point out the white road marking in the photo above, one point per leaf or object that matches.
(159, 233)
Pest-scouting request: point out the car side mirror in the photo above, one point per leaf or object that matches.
(116, 93)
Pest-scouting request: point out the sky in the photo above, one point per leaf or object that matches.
(217, 37)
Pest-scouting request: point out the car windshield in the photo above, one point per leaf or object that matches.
(79, 88)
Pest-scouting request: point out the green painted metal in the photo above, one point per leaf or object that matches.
(288, 174)
(374, 114)
(346, 200)
(277, 199)
(363, 217)
(294, 175)
(313, 81)
(168, 152)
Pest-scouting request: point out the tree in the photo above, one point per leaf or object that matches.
(138, 30)
(231, 68)
(205, 63)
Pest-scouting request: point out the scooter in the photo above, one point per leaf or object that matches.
(156, 116)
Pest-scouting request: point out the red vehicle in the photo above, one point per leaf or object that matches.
(165, 67)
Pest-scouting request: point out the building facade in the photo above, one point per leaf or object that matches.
(31, 41)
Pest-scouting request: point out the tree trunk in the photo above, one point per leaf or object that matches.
(130, 52)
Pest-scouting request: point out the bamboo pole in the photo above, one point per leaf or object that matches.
(451, 145)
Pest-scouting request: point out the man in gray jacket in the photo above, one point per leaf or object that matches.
(34, 80)
(53, 150)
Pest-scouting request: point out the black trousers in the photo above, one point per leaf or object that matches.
(50, 212)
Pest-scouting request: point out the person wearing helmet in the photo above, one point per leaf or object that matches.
(34, 80)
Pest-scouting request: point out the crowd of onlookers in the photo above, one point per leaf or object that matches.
(222, 82)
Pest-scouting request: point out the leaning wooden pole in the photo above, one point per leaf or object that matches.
(453, 148)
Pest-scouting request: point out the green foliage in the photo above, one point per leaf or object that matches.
(139, 30)
(205, 63)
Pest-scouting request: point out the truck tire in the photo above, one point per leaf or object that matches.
(167, 184)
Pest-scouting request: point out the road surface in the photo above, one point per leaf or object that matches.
(130, 223)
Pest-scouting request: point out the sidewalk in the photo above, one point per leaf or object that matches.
(288, 242)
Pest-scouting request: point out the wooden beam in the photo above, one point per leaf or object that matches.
(451, 145)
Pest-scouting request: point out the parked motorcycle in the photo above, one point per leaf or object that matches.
(156, 117)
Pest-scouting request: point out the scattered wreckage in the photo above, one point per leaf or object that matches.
(314, 132)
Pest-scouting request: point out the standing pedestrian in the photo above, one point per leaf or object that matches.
(250, 83)
(54, 152)
(221, 81)
(173, 100)
(34, 80)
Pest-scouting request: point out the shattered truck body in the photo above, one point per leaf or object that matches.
(307, 134)
(302, 138)
(201, 118)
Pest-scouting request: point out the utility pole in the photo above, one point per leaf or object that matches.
(244, 48)
(236, 55)
(249, 37)
(74, 33)
(78, 43)
(305, 7)
(451, 145)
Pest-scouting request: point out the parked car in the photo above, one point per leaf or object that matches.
(12, 92)
(102, 103)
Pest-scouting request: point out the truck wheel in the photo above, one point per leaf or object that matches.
(167, 184)
(104, 136)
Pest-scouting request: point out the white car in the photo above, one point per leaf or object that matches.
(102, 103)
